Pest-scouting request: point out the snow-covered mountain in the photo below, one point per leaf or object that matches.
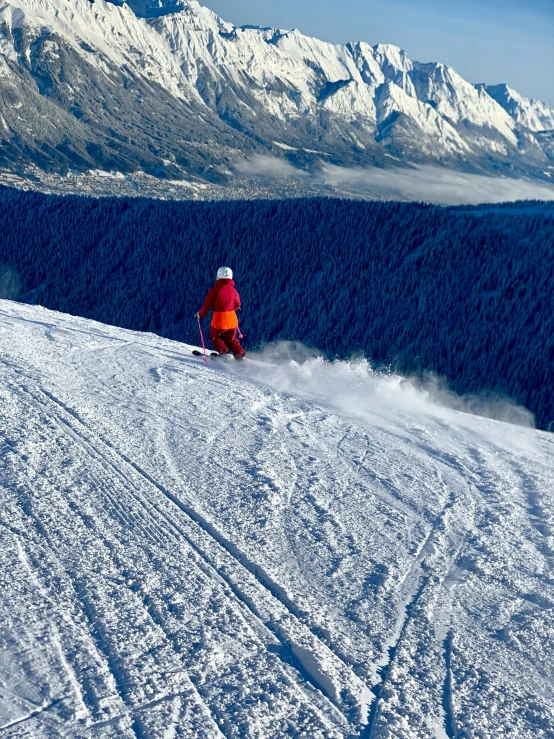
(533, 114)
(261, 550)
(174, 89)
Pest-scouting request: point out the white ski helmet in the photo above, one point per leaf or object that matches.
(224, 273)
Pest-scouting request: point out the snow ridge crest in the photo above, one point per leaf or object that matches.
(362, 104)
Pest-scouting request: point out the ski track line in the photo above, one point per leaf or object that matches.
(256, 571)
(368, 731)
(147, 706)
(56, 640)
(32, 714)
(450, 725)
(408, 608)
(102, 645)
(399, 505)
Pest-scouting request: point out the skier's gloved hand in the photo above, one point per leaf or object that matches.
(197, 316)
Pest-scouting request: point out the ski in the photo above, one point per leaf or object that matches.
(198, 353)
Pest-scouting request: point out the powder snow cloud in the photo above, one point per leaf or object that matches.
(354, 387)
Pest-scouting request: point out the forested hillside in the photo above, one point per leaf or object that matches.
(464, 292)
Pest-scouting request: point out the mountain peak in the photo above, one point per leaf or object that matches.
(238, 90)
(533, 114)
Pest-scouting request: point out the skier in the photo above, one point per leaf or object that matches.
(225, 301)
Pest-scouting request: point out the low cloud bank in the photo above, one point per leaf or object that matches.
(437, 185)
(425, 183)
(354, 387)
(260, 165)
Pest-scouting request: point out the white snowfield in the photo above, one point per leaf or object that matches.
(261, 550)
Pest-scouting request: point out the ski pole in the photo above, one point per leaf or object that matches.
(203, 342)
(241, 336)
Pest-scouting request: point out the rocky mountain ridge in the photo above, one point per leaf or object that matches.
(175, 91)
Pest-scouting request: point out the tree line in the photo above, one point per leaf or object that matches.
(466, 292)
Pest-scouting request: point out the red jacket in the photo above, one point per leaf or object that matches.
(225, 300)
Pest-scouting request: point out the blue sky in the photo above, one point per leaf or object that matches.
(488, 41)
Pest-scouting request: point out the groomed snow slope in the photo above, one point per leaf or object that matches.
(257, 550)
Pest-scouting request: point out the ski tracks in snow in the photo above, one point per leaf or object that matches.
(270, 605)
(219, 558)
(196, 554)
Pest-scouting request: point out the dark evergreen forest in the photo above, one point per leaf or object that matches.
(467, 293)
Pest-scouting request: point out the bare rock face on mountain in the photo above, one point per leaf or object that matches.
(171, 89)
(153, 8)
